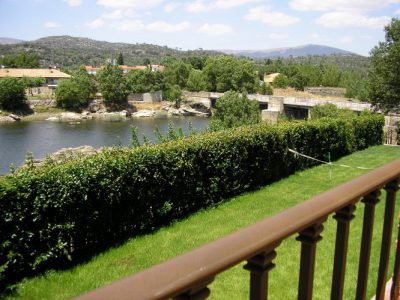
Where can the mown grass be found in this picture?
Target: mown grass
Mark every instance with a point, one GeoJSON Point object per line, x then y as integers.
{"type": "Point", "coordinates": [205, 226]}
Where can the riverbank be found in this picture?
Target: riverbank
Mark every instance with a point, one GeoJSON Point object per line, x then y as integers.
{"type": "Point", "coordinates": [46, 110]}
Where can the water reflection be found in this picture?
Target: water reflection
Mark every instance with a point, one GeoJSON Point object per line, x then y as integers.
{"type": "Point", "coordinates": [42, 137]}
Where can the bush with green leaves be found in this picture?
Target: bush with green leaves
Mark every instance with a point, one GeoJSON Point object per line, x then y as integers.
{"type": "Point", "coordinates": [280, 82]}
{"type": "Point", "coordinates": [265, 89]}
{"type": "Point", "coordinates": [233, 110]}
{"type": "Point", "coordinates": [70, 94]}
{"type": "Point", "coordinates": [12, 93]}
{"type": "Point", "coordinates": [113, 86]}
{"type": "Point", "coordinates": [54, 215]}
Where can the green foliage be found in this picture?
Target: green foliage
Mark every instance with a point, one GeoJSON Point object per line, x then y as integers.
{"type": "Point", "coordinates": [12, 93]}
{"type": "Point", "coordinates": [120, 59]}
{"type": "Point", "coordinates": [33, 82]}
{"type": "Point", "coordinates": [383, 77]}
{"type": "Point", "coordinates": [280, 81]}
{"type": "Point", "coordinates": [331, 76]}
{"type": "Point", "coordinates": [112, 85]}
{"type": "Point", "coordinates": [174, 93]}
{"type": "Point", "coordinates": [226, 73]}
{"type": "Point", "coordinates": [330, 111]}
{"type": "Point", "coordinates": [176, 73]}
{"type": "Point", "coordinates": [51, 216]}
{"type": "Point", "coordinates": [265, 89]}
{"type": "Point", "coordinates": [233, 110]}
{"type": "Point", "coordinates": [23, 60]}
{"type": "Point", "coordinates": [71, 95]}
{"type": "Point", "coordinates": [196, 81]}
{"type": "Point", "coordinates": [144, 81]}
{"type": "Point", "coordinates": [76, 92]}
{"type": "Point", "coordinates": [298, 82]}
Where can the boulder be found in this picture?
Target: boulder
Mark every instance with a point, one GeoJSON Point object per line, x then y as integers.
{"type": "Point", "coordinates": [145, 113]}
{"type": "Point", "coordinates": [70, 116]}
{"type": "Point", "coordinates": [53, 119]}
{"type": "Point", "coordinates": [6, 119]}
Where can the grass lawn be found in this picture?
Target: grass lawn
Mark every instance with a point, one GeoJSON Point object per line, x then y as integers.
{"type": "Point", "coordinates": [145, 251]}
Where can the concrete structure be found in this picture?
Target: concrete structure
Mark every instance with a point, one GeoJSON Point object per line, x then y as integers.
{"type": "Point", "coordinates": [326, 91]}
{"type": "Point", "coordinates": [146, 97]}
{"type": "Point", "coordinates": [51, 76]}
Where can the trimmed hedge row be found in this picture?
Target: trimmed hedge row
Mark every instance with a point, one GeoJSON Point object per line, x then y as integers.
{"type": "Point", "coordinates": [57, 214]}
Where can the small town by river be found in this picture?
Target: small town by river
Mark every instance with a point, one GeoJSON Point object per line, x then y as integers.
{"type": "Point", "coordinates": [43, 137]}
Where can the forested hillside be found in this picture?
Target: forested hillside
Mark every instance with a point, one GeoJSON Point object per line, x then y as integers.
{"type": "Point", "coordinates": [67, 51]}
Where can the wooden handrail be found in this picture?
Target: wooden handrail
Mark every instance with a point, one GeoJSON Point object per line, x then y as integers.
{"type": "Point", "coordinates": [191, 272]}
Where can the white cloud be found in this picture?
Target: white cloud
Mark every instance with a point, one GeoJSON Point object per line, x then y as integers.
{"type": "Point", "coordinates": [170, 7]}
{"type": "Point", "coordinates": [202, 5]}
{"type": "Point", "coordinates": [278, 36]}
{"type": "Point", "coordinates": [340, 5]}
{"type": "Point", "coordinates": [122, 4]}
{"type": "Point", "coordinates": [265, 15]}
{"type": "Point", "coordinates": [314, 36]}
{"type": "Point", "coordinates": [215, 29]}
{"type": "Point", "coordinates": [129, 25]}
{"type": "Point", "coordinates": [97, 23]}
{"type": "Point", "coordinates": [349, 19]}
{"type": "Point", "coordinates": [397, 12]}
{"type": "Point", "coordinates": [51, 24]}
{"type": "Point", "coordinates": [119, 14]}
{"type": "Point", "coordinates": [166, 27]}
{"type": "Point", "coordinates": [73, 2]}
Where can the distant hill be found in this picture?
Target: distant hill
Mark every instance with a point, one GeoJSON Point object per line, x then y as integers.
{"type": "Point", "coordinates": [68, 51]}
{"type": "Point", "coordinates": [304, 50]}
{"type": "Point", "coordinates": [6, 41]}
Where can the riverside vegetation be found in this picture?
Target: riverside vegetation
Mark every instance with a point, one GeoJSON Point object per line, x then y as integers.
{"type": "Point", "coordinates": [58, 214]}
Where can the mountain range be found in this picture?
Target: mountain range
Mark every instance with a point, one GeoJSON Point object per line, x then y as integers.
{"type": "Point", "coordinates": [67, 51]}
{"type": "Point", "coordinates": [303, 50]}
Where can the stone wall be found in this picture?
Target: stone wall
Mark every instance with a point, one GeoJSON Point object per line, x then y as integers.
{"type": "Point", "coordinates": [146, 97]}
{"type": "Point", "coordinates": [39, 90]}
{"type": "Point", "coordinates": [326, 91]}
{"type": "Point", "coordinates": [46, 102]}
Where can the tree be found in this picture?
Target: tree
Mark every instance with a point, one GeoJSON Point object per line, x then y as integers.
{"type": "Point", "coordinates": [144, 81]}
{"type": "Point", "coordinates": [12, 93]}
{"type": "Point", "coordinates": [177, 73]}
{"type": "Point", "coordinates": [112, 85]}
{"type": "Point", "coordinates": [280, 82]}
{"type": "Point", "coordinates": [224, 73]}
{"type": "Point", "coordinates": [174, 93]}
{"type": "Point", "coordinates": [196, 81]}
{"type": "Point", "coordinates": [383, 76]}
{"type": "Point", "coordinates": [22, 60]}
{"type": "Point", "coordinates": [120, 59]}
{"type": "Point", "coordinates": [70, 94]}
{"type": "Point", "coordinates": [233, 110]}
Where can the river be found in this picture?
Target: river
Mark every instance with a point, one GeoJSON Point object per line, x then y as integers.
{"type": "Point", "coordinates": [44, 137]}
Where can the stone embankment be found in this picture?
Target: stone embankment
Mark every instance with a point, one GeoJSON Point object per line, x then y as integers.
{"type": "Point", "coordinates": [97, 111]}
{"type": "Point", "coordinates": [9, 118]}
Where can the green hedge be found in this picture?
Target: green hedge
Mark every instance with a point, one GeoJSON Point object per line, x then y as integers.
{"type": "Point", "coordinates": [57, 214]}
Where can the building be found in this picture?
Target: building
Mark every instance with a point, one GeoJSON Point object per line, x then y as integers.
{"type": "Point", "coordinates": [125, 69]}
{"type": "Point", "coordinates": [51, 76]}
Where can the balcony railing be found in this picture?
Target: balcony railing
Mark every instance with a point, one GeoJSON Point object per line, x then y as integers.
{"type": "Point", "coordinates": [187, 276]}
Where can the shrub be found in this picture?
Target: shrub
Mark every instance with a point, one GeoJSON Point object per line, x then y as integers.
{"type": "Point", "coordinates": [59, 213]}
{"type": "Point", "coordinates": [233, 110]}
{"type": "Point", "coordinates": [71, 94]}
{"type": "Point", "coordinates": [280, 81]}
{"type": "Point", "coordinates": [12, 93]}
{"type": "Point", "coordinates": [265, 89]}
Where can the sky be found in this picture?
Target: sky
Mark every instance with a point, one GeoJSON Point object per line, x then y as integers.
{"type": "Point", "coordinates": [353, 25]}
